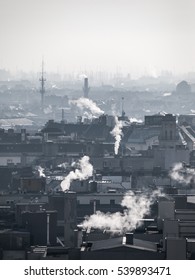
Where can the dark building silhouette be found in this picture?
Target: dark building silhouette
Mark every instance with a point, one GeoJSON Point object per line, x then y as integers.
{"type": "Point", "coordinates": [42, 226]}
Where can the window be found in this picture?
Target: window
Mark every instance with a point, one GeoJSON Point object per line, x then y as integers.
{"type": "Point", "coordinates": [112, 201]}
{"type": "Point", "coordinates": [97, 201]}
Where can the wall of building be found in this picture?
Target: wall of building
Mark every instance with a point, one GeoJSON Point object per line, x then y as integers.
{"type": "Point", "coordinates": [173, 156]}
{"type": "Point", "coordinates": [126, 164]}
{"type": "Point", "coordinates": [9, 159]}
{"type": "Point", "coordinates": [166, 158]}
{"type": "Point", "coordinates": [36, 224]}
{"type": "Point", "coordinates": [101, 198]}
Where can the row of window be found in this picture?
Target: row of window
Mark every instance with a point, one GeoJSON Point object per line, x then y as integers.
{"type": "Point", "coordinates": [97, 201]}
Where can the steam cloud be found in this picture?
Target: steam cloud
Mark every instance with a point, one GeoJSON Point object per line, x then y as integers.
{"type": "Point", "coordinates": [117, 133]}
{"type": "Point", "coordinates": [182, 175]}
{"type": "Point", "coordinates": [84, 171]}
{"type": "Point", "coordinates": [41, 172]}
{"type": "Point", "coordinates": [136, 208]}
{"type": "Point", "coordinates": [85, 103]}
{"type": "Point", "coordinates": [135, 120]}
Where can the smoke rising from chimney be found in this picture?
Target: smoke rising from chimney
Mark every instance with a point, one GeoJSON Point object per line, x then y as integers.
{"type": "Point", "coordinates": [182, 174]}
{"type": "Point", "coordinates": [136, 207]}
{"type": "Point", "coordinates": [117, 133]}
{"type": "Point", "coordinates": [41, 172]}
{"type": "Point", "coordinates": [82, 76]}
{"type": "Point", "coordinates": [85, 103]}
{"type": "Point", "coordinates": [83, 172]}
{"type": "Point", "coordinates": [132, 120]}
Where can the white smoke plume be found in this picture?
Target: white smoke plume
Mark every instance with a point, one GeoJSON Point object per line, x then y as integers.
{"type": "Point", "coordinates": [41, 172]}
{"type": "Point", "coordinates": [73, 164]}
{"type": "Point", "coordinates": [182, 174]}
{"type": "Point", "coordinates": [87, 115]}
{"type": "Point", "coordinates": [86, 103]}
{"type": "Point", "coordinates": [136, 207]}
{"type": "Point", "coordinates": [48, 110]}
{"type": "Point", "coordinates": [167, 94]}
{"type": "Point", "coordinates": [117, 133]}
{"type": "Point", "coordinates": [63, 165]}
{"type": "Point", "coordinates": [84, 171]}
{"type": "Point", "coordinates": [82, 76]}
{"type": "Point", "coordinates": [135, 120]}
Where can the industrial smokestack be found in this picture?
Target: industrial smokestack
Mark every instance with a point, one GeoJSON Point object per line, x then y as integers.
{"type": "Point", "coordinates": [94, 206]}
{"type": "Point", "coordinates": [63, 118]}
{"type": "Point", "coordinates": [129, 238]}
{"type": "Point", "coordinates": [123, 112]}
{"type": "Point", "coordinates": [86, 88]}
{"type": "Point", "coordinates": [48, 242]}
{"type": "Point", "coordinates": [70, 215]}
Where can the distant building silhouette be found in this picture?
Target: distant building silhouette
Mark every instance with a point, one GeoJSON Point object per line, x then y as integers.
{"type": "Point", "coordinates": [183, 87]}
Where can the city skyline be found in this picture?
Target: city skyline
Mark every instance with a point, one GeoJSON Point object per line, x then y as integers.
{"type": "Point", "coordinates": [136, 37]}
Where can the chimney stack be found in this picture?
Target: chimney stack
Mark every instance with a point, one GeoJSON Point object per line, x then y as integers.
{"type": "Point", "coordinates": [86, 88]}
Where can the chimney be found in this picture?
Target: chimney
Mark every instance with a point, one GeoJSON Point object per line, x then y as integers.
{"type": "Point", "coordinates": [94, 206]}
{"type": "Point", "coordinates": [69, 218]}
{"type": "Point", "coordinates": [63, 115]}
{"type": "Point", "coordinates": [78, 239]}
{"type": "Point", "coordinates": [86, 88]}
{"type": "Point", "coordinates": [129, 238]}
{"type": "Point", "coordinates": [23, 135]}
{"type": "Point", "coordinates": [48, 242]}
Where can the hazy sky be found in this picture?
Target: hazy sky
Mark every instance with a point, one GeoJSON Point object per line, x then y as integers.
{"type": "Point", "coordinates": [135, 36]}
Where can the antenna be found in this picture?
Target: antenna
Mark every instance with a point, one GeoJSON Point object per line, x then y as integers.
{"type": "Point", "coordinates": [42, 90]}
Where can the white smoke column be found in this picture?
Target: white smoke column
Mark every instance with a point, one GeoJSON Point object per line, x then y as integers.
{"type": "Point", "coordinates": [117, 133]}
{"type": "Point", "coordinates": [182, 174]}
{"type": "Point", "coordinates": [136, 208]}
{"type": "Point", "coordinates": [41, 172]}
{"type": "Point", "coordinates": [85, 171]}
{"type": "Point", "coordinates": [86, 103]}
